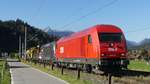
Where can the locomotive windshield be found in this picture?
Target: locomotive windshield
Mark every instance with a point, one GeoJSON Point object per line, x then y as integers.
{"type": "Point", "coordinates": [110, 37]}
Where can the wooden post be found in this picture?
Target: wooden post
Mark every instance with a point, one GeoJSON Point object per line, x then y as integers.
{"type": "Point", "coordinates": [44, 63]}
{"type": "Point", "coordinates": [52, 66]}
{"type": "Point", "coordinates": [78, 77]}
{"type": "Point", "coordinates": [82, 69]}
{"type": "Point", "coordinates": [35, 61]}
{"type": "Point", "coordinates": [62, 69]}
{"type": "Point", "coordinates": [109, 78]}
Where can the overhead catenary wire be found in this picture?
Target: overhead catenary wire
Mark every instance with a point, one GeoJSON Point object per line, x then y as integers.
{"type": "Point", "coordinates": [97, 10]}
{"type": "Point", "coordinates": [35, 15]}
{"type": "Point", "coordinates": [129, 33]}
{"type": "Point", "coordinates": [90, 13]}
{"type": "Point", "coordinates": [32, 18]}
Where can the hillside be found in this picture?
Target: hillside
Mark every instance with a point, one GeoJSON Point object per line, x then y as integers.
{"type": "Point", "coordinates": [11, 30]}
{"type": "Point", "coordinates": [58, 33]}
{"type": "Point", "coordinates": [144, 44]}
{"type": "Point", "coordinates": [131, 44]}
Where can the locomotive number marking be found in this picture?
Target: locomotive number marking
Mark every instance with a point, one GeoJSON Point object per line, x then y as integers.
{"type": "Point", "coordinates": [112, 49]}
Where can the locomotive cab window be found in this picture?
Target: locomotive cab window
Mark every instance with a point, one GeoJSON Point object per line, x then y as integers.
{"type": "Point", "coordinates": [89, 39]}
{"type": "Point", "coordinates": [110, 37]}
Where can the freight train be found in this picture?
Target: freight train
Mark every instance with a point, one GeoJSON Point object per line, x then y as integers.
{"type": "Point", "coordinates": [101, 47]}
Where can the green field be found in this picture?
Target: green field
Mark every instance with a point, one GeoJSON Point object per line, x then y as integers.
{"type": "Point", "coordinates": [4, 73]}
{"type": "Point", "coordinates": [140, 65]}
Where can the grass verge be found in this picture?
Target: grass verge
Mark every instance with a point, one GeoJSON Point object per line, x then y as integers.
{"type": "Point", "coordinates": [139, 65]}
{"type": "Point", "coordinates": [4, 73]}
{"type": "Point", "coordinates": [70, 78]}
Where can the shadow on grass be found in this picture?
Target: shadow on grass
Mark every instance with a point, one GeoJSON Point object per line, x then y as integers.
{"type": "Point", "coordinates": [131, 73]}
{"type": "Point", "coordinates": [19, 67]}
{"type": "Point", "coordinates": [13, 61]}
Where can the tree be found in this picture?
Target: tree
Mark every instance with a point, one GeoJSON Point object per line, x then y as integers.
{"type": "Point", "coordinates": [143, 54]}
{"type": "Point", "coordinates": [11, 30]}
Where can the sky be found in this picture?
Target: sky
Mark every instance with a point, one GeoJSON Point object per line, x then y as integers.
{"type": "Point", "coordinates": [132, 16]}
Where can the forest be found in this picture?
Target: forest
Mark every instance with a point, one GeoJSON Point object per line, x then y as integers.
{"type": "Point", "coordinates": [11, 30]}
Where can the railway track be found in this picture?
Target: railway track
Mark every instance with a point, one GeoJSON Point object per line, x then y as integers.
{"type": "Point", "coordinates": [124, 72]}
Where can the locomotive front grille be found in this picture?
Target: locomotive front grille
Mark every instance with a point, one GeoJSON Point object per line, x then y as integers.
{"type": "Point", "coordinates": [113, 62]}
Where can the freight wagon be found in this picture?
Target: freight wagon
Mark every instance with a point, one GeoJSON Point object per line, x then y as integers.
{"type": "Point", "coordinates": [47, 52]}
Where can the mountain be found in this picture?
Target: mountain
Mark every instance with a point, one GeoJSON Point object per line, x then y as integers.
{"type": "Point", "coordinates": [145, 41]}
{"type": "Point", "coordinates": [144, 44]}
{"type": "Point", "coordinates": [11, 30]}
{"type": "Point", "coordinates": [131, 44]}
{"type": "Point", "coordinates": [57, 33]}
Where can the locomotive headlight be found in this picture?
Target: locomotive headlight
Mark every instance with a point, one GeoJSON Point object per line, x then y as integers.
{"type": "Point", "coordinates": [122, 54]}
{"type": "Point", "coordinates": [40, 57]}
{"type": "Point", "coordinates": [102, 54]}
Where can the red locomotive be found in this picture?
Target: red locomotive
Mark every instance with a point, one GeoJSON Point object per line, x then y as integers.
{"type": "Point", "coordinates": [101, 45]}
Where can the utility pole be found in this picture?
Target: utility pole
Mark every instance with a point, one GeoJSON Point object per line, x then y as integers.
{"type": "Point", "coordinates": [25, 43]}
{"type": "Point", "coordinates": [19, 45]}
{"type": "Point", "coordinates": [22, 52]}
